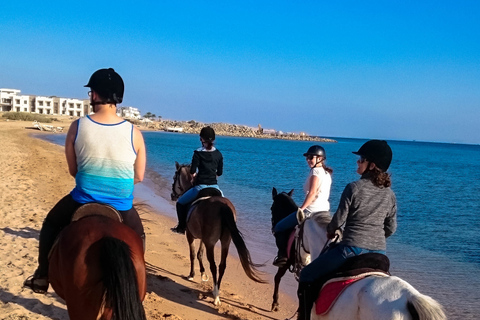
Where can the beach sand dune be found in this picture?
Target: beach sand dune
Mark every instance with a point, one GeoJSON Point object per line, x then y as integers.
{"type": "Point", "coordinates": [34, 177]}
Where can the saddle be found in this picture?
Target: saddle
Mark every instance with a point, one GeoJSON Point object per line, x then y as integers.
{"type": "Point", "coordinates": [203, 194]}
{"type": "Point", "coordinates": [354, 269]}
{"type": "Point", "coordinates": [92, 209]}
{"type": "Point", "coordinates": [96, 209]}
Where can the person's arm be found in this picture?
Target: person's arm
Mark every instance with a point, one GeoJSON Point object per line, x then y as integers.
{"type": "Point", "coordinates": [70, 149]}
{"type": "Point", "coordinates": [341, 214]}
{"type": "Point", "coordinates": [220, 166]}
{"type": "Point", "coordinates": [314, 182]}
{"type": "Point", "coordinates": [141, 160]}
{"type": "Point", "coordinates": [390, 223]}
{"type": "Point", "coordinates": [195, 162]}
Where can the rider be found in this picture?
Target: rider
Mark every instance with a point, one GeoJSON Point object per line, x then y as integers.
{"type": "Point", "coordinates": [368, 210]}
{"type": "Point", "coordinates": [209, 161]}
{"type": "Point", "coordinates": [106, 156]}
{"type": "Point", "coordinates": [317, 192]}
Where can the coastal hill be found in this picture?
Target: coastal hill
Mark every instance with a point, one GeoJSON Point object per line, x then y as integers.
{"type": "Point", "coordinates": [226, 129]}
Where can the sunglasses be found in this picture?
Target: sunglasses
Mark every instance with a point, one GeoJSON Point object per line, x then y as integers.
{"type": "Point", "coordinates": [361, 160]}
{"type": "Point", "coordinates": [309, 157]}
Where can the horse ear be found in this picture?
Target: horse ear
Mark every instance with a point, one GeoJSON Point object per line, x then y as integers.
{"type": "Point", "coordinates": [274, 192]}
{"type": "Point", "coordinates": [290, 193]}
{"type": "Point", "coordinates": [177, 165]}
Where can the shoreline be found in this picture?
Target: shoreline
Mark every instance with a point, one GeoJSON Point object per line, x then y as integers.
{"type": "Point", "coordinates": [36, 177]}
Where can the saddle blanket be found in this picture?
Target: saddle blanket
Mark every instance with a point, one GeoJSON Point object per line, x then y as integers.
{"type": "Point", "coordinates": [333, 288]}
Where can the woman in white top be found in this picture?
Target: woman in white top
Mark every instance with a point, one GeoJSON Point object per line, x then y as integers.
{"type": "Point", "coordinates": [317, 191]}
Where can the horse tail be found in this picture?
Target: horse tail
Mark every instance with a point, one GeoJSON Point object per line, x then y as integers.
{"type": "Point", "coordinates": [423, 307]}
{"type": "Point", "coordinates": [120, 280]}
{"type": "Point", "coordinates": [249, 267]}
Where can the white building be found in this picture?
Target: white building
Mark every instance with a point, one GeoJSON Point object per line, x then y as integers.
{"type": "Point", "coordinates": [129, 112]}
{"type": "Point", "coordinates": [12, 100]}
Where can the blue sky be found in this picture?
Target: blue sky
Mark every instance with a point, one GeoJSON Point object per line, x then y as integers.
{"type": "Point", "coordinates": [372, 69]}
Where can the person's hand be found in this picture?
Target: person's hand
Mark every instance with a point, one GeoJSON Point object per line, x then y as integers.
{"type": "Point", "coordinates": [330, 235]}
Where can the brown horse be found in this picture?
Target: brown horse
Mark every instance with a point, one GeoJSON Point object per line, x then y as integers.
{"type": "Point", "coordinates": [212, 219]}
{"type": "Point", "coordinates": [98, 268]}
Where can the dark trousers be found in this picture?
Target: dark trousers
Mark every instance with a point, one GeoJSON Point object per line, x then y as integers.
{"type": "Point", "coordinates": [59, 217]}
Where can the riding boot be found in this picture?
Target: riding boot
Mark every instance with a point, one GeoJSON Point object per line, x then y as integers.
{"type": "Point", "coordinates": [182, 212]}
{"type": "Point", "coordinates": [48, 234]}
{"type": "Point", "coordinates": [307, 294]}
{"type": "Point", "coordinates": [281, 240]}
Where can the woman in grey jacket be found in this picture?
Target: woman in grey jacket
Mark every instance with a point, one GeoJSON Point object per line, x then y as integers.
{"type": "Point", "coordinates": [368, 211]}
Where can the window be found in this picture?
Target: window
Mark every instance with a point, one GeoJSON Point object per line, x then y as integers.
{"type": "Point", "coordinates": [24, 101]}
{"type": "Point", "coordinates": [18, 109]}
{"type": "Point", "coordinates": [55, 104]}
{"type": "Point", "coordinates": [70, 105]}
{"type": "Point", "coordinates": [79, 105]}
{"type": "Point", "coordinates": [17, 101]}
{"type": "Point", "coordinates": [48, 103]}
{"type": "Point", "coordinates": [40, 103]}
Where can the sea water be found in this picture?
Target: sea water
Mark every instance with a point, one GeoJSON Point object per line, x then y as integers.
{"type": "Point", "coordinates": [436, 247]}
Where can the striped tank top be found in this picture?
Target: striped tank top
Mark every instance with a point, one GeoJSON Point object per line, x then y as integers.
{"type": "Point", "coordinates": [105, 163]}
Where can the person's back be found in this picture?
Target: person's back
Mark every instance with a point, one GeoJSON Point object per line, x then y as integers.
{"type": "Point", "coordinates": [106, 156]}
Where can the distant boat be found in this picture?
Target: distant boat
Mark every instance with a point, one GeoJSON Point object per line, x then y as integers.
{"type": "Point", "coordinates": [174, 129]}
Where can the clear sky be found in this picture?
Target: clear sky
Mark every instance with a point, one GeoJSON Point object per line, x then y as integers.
{"type": "Point", "coordinates": [407, 70]}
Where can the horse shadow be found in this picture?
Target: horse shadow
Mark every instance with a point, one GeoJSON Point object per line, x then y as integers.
{"type": "Point", "coordinates": [25, 232]}
{"type": "Point", "coordinates": [35, 305]}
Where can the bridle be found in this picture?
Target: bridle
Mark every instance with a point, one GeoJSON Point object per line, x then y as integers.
{"type": "Point", "coordinates": [177, 183]}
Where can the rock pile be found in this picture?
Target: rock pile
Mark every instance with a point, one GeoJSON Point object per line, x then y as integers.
{"type": "Point", "coordinates": [225, 129]}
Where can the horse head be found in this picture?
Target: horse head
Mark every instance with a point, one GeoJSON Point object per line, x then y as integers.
{"type": "Point", "coordinates": [182, 180]}
{"type": "Point", "coordinates": [283, 204]}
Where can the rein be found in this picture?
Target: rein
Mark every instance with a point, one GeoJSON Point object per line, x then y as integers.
{"type": "Point", "coordinates": [177, 181]}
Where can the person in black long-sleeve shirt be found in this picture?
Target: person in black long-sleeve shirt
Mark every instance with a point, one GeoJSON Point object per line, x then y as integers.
{"type": "Point", "coordinates": [209, 162]}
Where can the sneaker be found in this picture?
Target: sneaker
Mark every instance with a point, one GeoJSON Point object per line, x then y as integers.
{"type": "Point", "coordinates": [279, 261]}
{"type": "Point", "coordinates": [178, 229]}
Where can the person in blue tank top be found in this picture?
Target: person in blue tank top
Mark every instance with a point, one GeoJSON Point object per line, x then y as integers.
{"type": "Point", "coordinates": [106, 155]}
{"type": "Point", "coordinates": [209, 162]}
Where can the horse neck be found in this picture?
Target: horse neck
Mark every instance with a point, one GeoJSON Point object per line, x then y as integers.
{"type": "Point", "coordinates": [314, 237]}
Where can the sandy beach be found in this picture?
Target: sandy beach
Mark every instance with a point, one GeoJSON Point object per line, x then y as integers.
{"type": "Point", "coordinates": [34, 177]}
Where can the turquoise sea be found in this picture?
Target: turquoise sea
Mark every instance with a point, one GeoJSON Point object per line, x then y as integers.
{"type": "Point", "coordinates": [437, 245]}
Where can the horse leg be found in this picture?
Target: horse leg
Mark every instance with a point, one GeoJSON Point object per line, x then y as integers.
{"type": "Point", "coordinates": [223, 261]}
{"type": "Point", "coordinates": [200, 262]}
{"type": "Point", "coordinates": [278, 277]}
{"type": "Point", "coordinates": [213, 269]}
{"type": "Point", "coordinates": [191, 245]}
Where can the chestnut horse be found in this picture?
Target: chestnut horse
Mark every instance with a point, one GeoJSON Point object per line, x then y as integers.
{"type": "Point", "coordinates": [371, 298]}
{"type": "Point", "coordinates": [98, 268]}
{"type": "Point", "coordinates": [212, 219]}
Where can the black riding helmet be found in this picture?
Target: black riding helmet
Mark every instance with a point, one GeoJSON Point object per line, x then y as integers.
{"type": "Point", "coordinates": [207, 134]}
{"type": "Point", "coordinates": [316, 150]}
{"type": "Point", "coordinates": [108, 84]}
{"type": "Point", "coordinates": [378, 152]}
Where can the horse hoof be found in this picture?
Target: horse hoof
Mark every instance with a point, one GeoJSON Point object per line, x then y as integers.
{"type": "Point", "coordinates": [190, 278]}
{"type": "Point", "coordinates": [204, 277]}
{"type": "Point", "coordinates": [275, 307]}
{"type": "Point", "coordinates": [217, 302]}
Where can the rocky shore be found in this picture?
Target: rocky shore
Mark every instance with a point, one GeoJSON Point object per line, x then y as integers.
{"type": "Point", "coordinates": [226, 129]}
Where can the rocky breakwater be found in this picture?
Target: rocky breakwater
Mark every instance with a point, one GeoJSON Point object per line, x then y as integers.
{"type": "Point", "coordinates": [225, 129]}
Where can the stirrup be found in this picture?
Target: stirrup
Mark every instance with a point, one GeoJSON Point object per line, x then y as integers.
{"type": "Point", "coordinates": [38, 285]}
{"type": "Point", "coordinates": [279, 261]}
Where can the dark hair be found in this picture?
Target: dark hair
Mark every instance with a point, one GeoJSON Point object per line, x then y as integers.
{"type": "Point", "coordinates": [328, 169]}
{"type": "Point", "coordinates": [378, 177]}
{"type": "Point", "coordinates": [208, 145]}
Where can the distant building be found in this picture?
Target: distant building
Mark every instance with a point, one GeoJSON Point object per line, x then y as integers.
{"type": "Point", "coordinates": [129, 112]}
{"type": "Point", "coordinates": [12, 100]}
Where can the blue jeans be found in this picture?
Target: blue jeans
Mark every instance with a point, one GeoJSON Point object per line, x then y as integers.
{"type": "Point", "coordinates": [331, 260]}
{"type": "Point", "coordinates": [287, 223]}
{"type": "Point", "coordinates": [192, 193]}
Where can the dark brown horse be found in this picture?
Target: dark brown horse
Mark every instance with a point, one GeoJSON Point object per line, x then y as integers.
{"type": "Point", "coordinates": [98, 268]}
{"type": "Point", "coordinates": [282, 206]}
{"type": "Point", "coordinates": [212, 219]}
